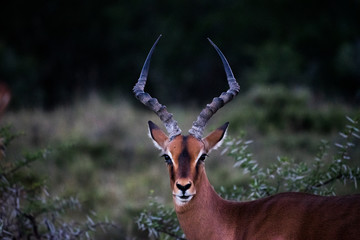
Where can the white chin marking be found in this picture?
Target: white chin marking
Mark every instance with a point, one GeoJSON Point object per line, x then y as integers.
{"type": "Point", "coordinates": [180, 200]}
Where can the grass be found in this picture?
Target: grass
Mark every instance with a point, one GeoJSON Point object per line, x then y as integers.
{"type": "Point", "coordinates": [101, 152]}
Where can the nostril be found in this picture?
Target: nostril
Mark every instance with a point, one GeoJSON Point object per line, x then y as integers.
{"type": "Point", "coordinates": [182, 187]}
{"type": "Point", "coordinates": [187, 186]}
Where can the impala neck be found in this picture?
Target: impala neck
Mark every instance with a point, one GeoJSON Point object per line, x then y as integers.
{"type": "Point", "coordinates": [207, 215]}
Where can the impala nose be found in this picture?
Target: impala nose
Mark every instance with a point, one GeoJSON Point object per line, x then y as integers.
{"type": "Point", "coordinates": [183, 188]}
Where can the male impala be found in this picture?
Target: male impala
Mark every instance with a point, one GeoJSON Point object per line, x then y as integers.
{"type": "Point", "coordinates": [204, 215]}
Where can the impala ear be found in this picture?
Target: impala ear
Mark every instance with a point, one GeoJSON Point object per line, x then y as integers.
{"type": "Point", "coordinates": [215, 138]}
{"type": "Point", "coordinates": [158, 136]}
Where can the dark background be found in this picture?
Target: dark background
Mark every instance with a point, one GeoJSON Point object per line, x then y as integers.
{"type": "Point", "coordinates": [53, 52]}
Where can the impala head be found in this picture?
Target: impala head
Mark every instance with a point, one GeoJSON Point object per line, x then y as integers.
{"type": "Point", "coordinates": [185, 155]}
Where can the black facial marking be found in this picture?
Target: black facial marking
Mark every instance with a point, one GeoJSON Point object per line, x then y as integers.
{"type": "Point", "coordinates": [184, 160]}
{"type": "Point", "coordinates": [197, 169]}
{"type": "Point", "coordinates": [172, 174]}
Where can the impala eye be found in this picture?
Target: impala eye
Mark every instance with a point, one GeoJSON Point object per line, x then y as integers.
{"type": "Point", "coordinates": [202, 157]}
{"type": "Point", "coordinates": [167, 159]}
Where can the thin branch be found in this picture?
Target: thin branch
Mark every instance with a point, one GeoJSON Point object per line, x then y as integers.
{"type": "Point", "coordinates": [327, 181]}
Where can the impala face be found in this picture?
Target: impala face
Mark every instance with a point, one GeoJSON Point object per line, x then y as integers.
{"type": "Point", "coordinates": [185, 157]}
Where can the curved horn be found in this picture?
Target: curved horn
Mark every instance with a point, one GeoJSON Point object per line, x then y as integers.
{"type": "Point", "coordinates": [166, 117]}
{"type": "Point", "coordinates": [198, 126]}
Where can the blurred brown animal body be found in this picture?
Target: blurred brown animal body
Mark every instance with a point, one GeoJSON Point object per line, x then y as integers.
{"type": "Point", "coordinates": [203, 214]}
{"type": "Point", "coordinates": [5, 97]}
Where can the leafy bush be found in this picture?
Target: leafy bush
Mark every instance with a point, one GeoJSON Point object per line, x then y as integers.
{"type": "Point", "coordinates": [27, 210]}
{"type": "Point", "coordinates": [319, 176]}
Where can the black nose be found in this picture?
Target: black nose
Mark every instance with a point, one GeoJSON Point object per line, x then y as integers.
{"type": "Point", "coordinates": [183, 188]}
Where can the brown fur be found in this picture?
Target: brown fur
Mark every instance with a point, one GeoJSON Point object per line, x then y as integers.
{"type": "Point", "coordinates": [283, 216]}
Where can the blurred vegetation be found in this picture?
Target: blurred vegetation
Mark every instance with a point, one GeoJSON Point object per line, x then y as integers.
{"type": "Point", "coordinates": [104, 158]}
{"type": "Point", "coordinates": [52, 52]}
{"type": "Point", "coordinates": [28, 210]}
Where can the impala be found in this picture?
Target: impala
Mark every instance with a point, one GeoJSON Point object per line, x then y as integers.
{"type": "Point", "coordinates": [202, 214]}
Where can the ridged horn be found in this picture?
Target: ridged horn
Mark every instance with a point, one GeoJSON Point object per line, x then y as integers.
{"type": "Point", "coordinates": [198, 126]}
{"type": "Point", "coordinates": [167, 118]}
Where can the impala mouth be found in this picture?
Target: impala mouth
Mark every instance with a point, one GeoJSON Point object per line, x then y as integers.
{"type": "Point", "coordinates": [182, 199]}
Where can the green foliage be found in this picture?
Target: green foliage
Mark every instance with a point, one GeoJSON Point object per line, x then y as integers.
{"type": "Point", "coordinates": [317, 176]}
{"type": "Point", "coordinates": [163, 225]}
{"type": "Point", "coordinates": [27, 210]}
{"type": "Point", "coordinates": [277, 108]}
